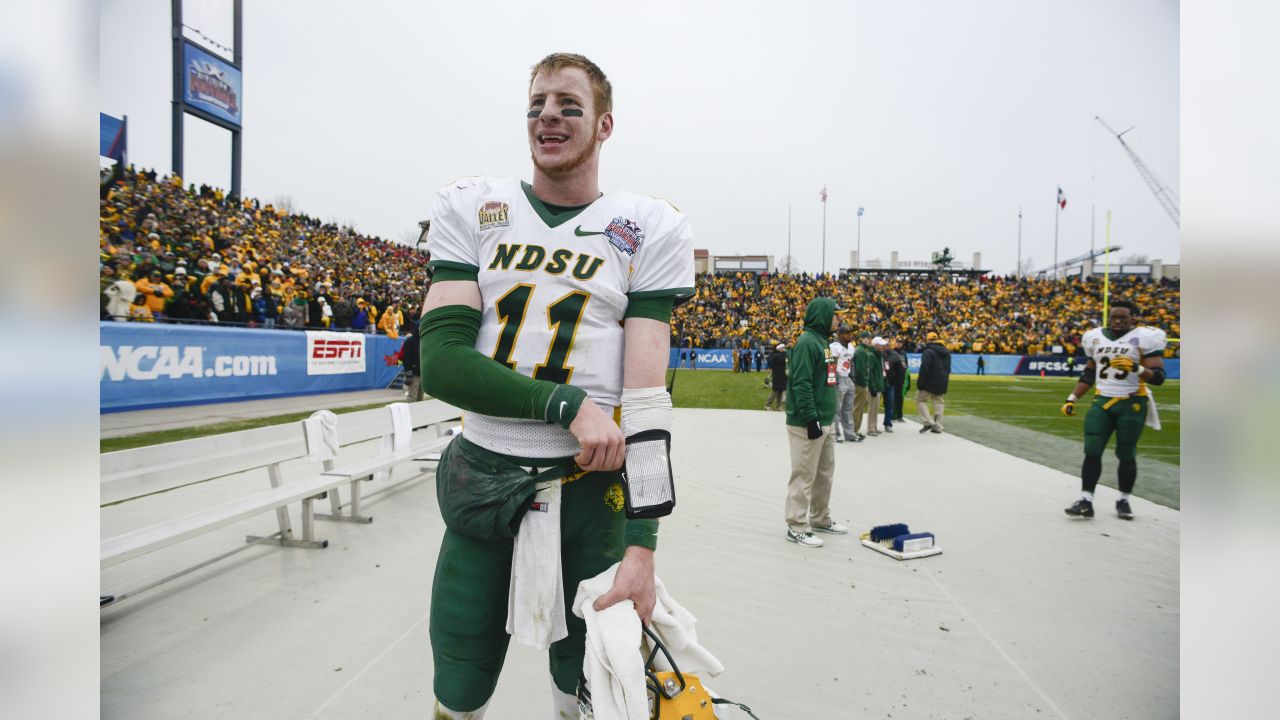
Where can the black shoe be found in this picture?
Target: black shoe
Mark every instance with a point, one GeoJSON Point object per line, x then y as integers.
{"type": "Point", "coordinates": [105, 600]}
{"type": "Point", "coordinates": [1123, 510]}
{"type": "Point", "coordinates": [1082, 508]}
{"type": "Point", "coordinates": [860, 436]}
{"type": "Point", "coordinates": [926, 428]}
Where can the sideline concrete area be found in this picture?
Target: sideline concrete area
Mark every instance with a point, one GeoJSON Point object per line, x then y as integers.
{"type": "Point", "coordinates": [1026, 614]}
{"type": "Point", "coordinates": [134, 422]}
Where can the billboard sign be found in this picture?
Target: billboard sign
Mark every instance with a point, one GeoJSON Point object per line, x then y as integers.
{"type": "Point", "coordinates": [211, 84]}
{"type": "Point", "coordinates": [112, 141]}
{"type": "Point", "coordinates": [145, 365]}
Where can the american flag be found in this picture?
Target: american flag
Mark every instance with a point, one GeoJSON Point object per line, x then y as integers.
{"type": "Point", "coordinates": [860, 212]}
{"type": "Point", "coordinates": [823, 194]}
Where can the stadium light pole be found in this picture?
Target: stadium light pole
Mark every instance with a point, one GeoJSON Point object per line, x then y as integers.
{"type": "Point", "coordinates": [1018, 271]}
{"type": "Point", "coordinates": [824, 228]}
{"type": "Point", "coordinates": [857, 270]}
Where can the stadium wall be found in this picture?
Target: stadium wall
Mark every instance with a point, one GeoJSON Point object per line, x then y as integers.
{"type": "Point", "coordinates": [961, 363]}
{"type": "Point", "coordinates": [146, 365]}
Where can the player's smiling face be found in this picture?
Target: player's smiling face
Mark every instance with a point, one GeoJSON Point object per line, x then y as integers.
{"type": "Point", "coordinates": [564, 130]}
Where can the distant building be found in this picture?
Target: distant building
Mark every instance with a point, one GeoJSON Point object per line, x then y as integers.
{"type": "Point", "coordinates": [705, 262]}
{"type": "Point", "coordinates": [740, 263]}
{"type": "Point", "coordinates": [701, 261]}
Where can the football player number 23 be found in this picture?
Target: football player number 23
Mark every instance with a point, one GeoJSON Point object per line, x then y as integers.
{"type": "Point", "coordinates": [1115, 374]}
{"type": "Point", "coordinates": [563, 316]}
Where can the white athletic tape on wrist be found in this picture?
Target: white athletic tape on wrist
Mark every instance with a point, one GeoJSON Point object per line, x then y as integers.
{"type": "Point", "coordinates": [645, 409]}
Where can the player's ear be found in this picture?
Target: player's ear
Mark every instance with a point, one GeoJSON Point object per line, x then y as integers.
{"type": "Point", "coordinates": [604, 127]}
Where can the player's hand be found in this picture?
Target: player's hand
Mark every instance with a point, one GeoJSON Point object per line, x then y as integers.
{"type": "Point", "coordinates": [1069, 407]}
{"type": "Point", "coordinates": [814, 430]}
{"type": "Point", "coordinates": [634, 582]}
{"type": "Point", "coordinates": [603, 446]}
{"type": "Point", "coordinates": [1122, 363]}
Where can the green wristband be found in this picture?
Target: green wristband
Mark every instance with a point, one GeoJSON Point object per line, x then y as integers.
{"type": "Point", "coordinates": [562, 407]}
{"type": "Point", "coordinates": [641, 532]}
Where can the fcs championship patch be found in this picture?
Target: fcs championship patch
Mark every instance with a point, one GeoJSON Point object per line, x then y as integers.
{"type": "Point", "coordinates": [613, 497]}
{"type": "Point", "coordinates": [494, 214]}
{"type": "Point", "coordinates": [625, 235]}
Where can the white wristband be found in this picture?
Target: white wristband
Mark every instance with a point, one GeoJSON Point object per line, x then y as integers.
{"type": "Point", "coordinates": [1072, 397]}
{"type": "Point", "coordinates": [645, 409]}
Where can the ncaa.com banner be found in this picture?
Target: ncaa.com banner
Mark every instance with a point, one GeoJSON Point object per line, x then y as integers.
{"type": "Point", "coordinates": [146, 365]}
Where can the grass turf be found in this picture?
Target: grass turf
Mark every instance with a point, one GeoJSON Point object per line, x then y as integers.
{"type": "Point", "coordinates": [163, 436]}
{"type": "Point", "coordinates": [1029, 402]}
{"type": "Point", "coordinates": [1017, 415]}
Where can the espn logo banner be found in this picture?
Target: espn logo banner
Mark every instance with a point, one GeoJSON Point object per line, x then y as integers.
{"type": "Point", "coordinates": [334, 353]}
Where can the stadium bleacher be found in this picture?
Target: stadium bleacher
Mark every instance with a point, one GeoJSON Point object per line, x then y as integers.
{"type": "Point", "coordinates": [278, 265]}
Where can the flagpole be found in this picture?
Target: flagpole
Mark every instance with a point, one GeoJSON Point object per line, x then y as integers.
{"type": "Point", "coordinates": [824, 228]}
{"type": "Point", "coordinates": [1057, 210]}
{"type": "Point", "coordinates": [1018, 272]}
{"type": "Point", "coordinates": [859, 238]}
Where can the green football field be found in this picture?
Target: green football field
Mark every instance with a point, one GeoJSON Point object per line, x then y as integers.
{"type": "Point", "coordinates": [1017, 415]}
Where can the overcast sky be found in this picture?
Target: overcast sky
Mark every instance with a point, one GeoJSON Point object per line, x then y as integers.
{"type": "Point", "coordinates": [940, 118]}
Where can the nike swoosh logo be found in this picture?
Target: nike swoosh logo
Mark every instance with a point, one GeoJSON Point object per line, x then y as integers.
{"type": "Point", "coordinates": [562, 404]}
{"type": "Point", "coordinates": [583, 233]}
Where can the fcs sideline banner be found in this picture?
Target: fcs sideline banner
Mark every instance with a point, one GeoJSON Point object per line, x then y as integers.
{"type": "Point", "coordinates": [146, 365]}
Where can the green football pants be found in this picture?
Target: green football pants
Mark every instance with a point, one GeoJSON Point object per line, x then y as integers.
{"type": "Point", "coordinates": [1125, 417]}
{"type": "Point", "coordinates": [469, 594]}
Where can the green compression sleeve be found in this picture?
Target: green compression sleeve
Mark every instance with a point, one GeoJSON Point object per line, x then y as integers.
{"type": "Point", "coordinates": [455, 372]}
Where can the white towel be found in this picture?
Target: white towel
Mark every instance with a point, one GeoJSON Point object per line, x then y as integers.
{"type": "Point", "coordinates": [321, 430]}
{"type": "Point", "coordinates": [674, 626]}
{"type": "Point", "coordinates": [613, 663]}
{"type": "Point", "coordinates": [535, 599]}
{"type": "Point", "coordinates": [1153, 413]}
{"type": "Point", "coordinates": [401, 436]}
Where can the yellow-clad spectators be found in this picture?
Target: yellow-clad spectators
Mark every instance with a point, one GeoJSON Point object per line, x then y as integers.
{"type": "Point", "coordinates": [199, 255]}
{"type": "Point", "coordinates": [149, 223]}
{"type": "Point", "coordinates": [997, 315]}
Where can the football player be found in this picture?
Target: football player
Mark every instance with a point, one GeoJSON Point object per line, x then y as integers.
{"type": "Point", "coordinates": [1123, 360]}
{"type": "Point", "coordinates": [547, 322]}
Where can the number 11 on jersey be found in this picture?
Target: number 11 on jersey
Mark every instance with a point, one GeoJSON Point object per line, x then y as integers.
{"type": "Point", "coordinates": [563, 316]}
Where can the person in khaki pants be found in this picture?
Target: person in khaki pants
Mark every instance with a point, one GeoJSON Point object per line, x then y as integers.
{"type": "Point", "coordinates": [811, 407]}
{"type": "Point", "coordinates": [931, 385]}
{"type": "Point", "coordinates": [863, 360]}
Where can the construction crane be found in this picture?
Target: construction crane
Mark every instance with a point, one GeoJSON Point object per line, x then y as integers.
{"type": "Point", "coordinates": [1162, 192]}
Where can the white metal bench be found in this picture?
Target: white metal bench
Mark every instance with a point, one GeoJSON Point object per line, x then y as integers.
{"type": "Point", "coordinates": [132, 474]}
{"type": "Point", "coordinates": [367, 425]}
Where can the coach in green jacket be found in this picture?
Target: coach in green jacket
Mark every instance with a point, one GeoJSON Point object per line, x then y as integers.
{"type": "Point", "coordinates": [811, 407]}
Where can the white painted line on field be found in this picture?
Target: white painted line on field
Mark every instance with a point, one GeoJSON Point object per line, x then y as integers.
{"type": "Point", "coordinates": [369, 666]}
{"type": "Point", "coordinates": [973, 621]}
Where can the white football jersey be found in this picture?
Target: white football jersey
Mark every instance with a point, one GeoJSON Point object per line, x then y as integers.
{"type": "Point", "coordinates": [554, 292]}
{"type": "Point", "coordinates": [1136, 344]}
{"type": "Point", "coordinates": [843, 356]}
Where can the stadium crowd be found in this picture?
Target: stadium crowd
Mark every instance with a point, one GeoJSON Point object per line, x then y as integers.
{"type": "Point", "coordinates": [991, 314]}
{"type": "Point", "coordinates": [188, 254]}
{"type": "Point", "coordinates": [196, 255]}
